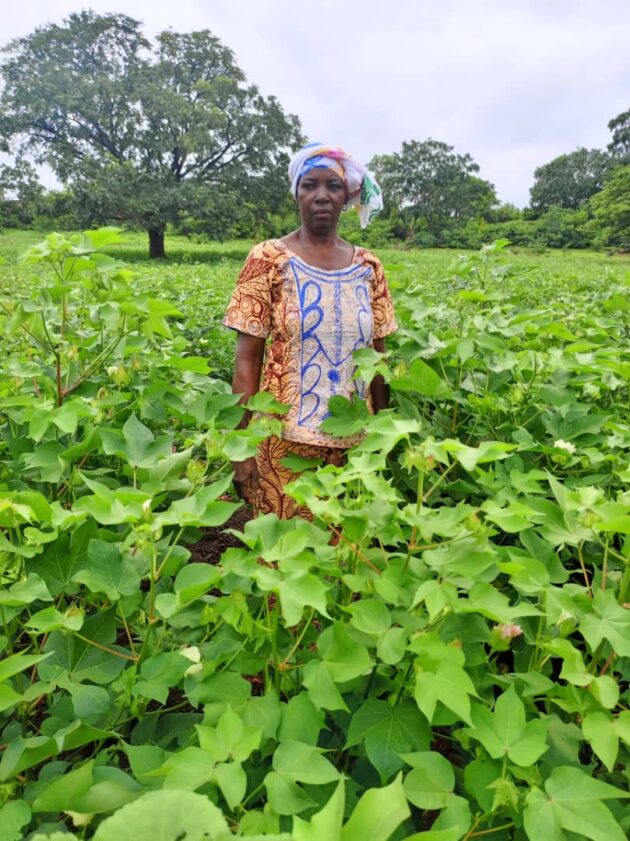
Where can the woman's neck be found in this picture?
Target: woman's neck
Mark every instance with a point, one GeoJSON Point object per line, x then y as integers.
{"type": "Point", "coordinates": [327, 251]}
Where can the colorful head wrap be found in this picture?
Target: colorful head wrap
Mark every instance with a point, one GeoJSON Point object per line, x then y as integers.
{"type": "Point", "coordinates": [363, 191]}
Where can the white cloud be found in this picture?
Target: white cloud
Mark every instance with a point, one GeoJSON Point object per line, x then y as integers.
{"type": "Point", "coordinates": [513, 84]}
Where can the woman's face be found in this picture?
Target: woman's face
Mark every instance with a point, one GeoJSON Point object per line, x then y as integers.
{"type": "Point", "coordinates": [321, 194]}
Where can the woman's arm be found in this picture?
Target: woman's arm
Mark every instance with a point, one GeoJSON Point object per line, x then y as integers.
{"type": "Point", "coordinates": [250, 351]}
{"type": "Point", "coordinates": [378, 387]}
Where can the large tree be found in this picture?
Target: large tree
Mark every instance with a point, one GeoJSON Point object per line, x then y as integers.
{"type": "Point", "coordinates": [568, 181]}
{"type": "Point", "coordinates": [620, 143]}
{"type": "Point", "coordinates": [612, 208]}
{"type": "Point", "coordinates": [141, 132]}
{"type": "Point", "coordinates": [20, 193]}
{"type": "Point", "coordinates": [428, 180]}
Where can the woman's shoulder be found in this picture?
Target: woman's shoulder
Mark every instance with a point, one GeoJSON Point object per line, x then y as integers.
{"type": "Point", "coordinates": [270, 251]}
{"type": "Point", "coordinates": [364, 255]}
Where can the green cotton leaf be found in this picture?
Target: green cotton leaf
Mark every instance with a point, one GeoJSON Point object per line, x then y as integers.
{"type": "Point", "coordinates": [321, 687]}
{"type": "Point", "coordinates": [301, 720]}
{"type": "Point", "coordinates": [430, 782]}
{"type": "Point", "coordinates": [369, 616]}
{"type": "Point", "coordinates": [66, 417]}
{"type": "Point", "coordinates": [392, 646]}
{"type": "Point", "coordinates": [346, 417]}
{"type": "Point", "coordinates": [263, 713]}
{"type": "Point", "coordinates": [513, 517]}
{"type": "Point", "coordinates": [137, 444]}
{"type": "Point", "coordinates": [188, 769]}
{"type": "Point", "coordinates": [61, 559]}
{"type": "Point", "coordinates": [388, 732]}
{"type": "Point", "coordinates": [167, 815]}
{"type": "Point", "coordinates": [31, 589]}
{"type": "Point", "coordinates": [124, 505]}
{"type": "Point", "coordinates": [478, 777]}
{"type": "Point", "coordinates": [378, 814]}
{"type": "Point", "coordinates": [297, 464]}
{"type": "Point", "coordinates": [605, 690]}
{"type": "Point", "coordinates": [300, 591]}
{"type": "Point", "coordinates": [368, 363]}
{"type": "Point", "coordinates": [79, 659]}
{"type": "Point", "coordinates": [455, 815]}
{"type": "Point", "coordinates": [46, 457]}
{"type": "Point", "coordinates": [609, 621]}
{"type": "Point", "coordinates": [506, 732]}
{"type": "Point", "coordinates": [266, 403]}
{"type": "Point", "coordinates": [603, 732]}
{"type": "Point", "coordinates": [344, 657]}
{"type": "Point", "coordinates": [194, 581]}
{"type": "Point", "coordinates": [87, 790]}
{"type": "Point", "coordinates": [201, 508]}
{"type": "Point", "coordinates": [572, 801]}
{"type": "Point", "coordinates": [90, 703]}
{"type": "Point", "coordinates": [13, 817]}
{"type": "Point", "coordinates": [447, 683]}
{"type": "Point", "coordinates": [573, 668]}
{"type": "Point", "coordinates": [8, 697]}
{"type": "Point", "coordinates": [229, 739]}
{"type": "Point", "coordinates": [385, 430]}
{"type": "Point", "coordinates": [232, 780]}
{"type": "Point", "coordinates": [50, 619]}
{"type": "Point", "coordinates": [17, 663]}
{"type": "Point", "coordinates": [108, 571]}
{"type": "Point", "coordinates": [159, 674]}
{"type": "Point", "coordinates": [23, 753]}
{"type": "Point", "coordinates": [227, 688]}
{"type": "Point", "coordinates": [422, 379]}
{"type": "Point", "coordinates": [196, 364]}
{"type": "Point", "coordinates": [299, 762]}
{"type": "Point", "coordinates": [143, 759]}
{"type": "Point", "coordinates": [286, 797]}
{"type": "Point", "coordinates": [54, 836]}
{"type": "Point", "coordinates": [325, 824]}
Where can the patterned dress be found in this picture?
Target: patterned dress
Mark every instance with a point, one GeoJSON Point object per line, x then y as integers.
{"type": "Point", "coordinates": [315, 319]}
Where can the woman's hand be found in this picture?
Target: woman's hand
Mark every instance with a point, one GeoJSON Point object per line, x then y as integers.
{"type": "Point", "coordinates": [378, 387]}
{"type": "Point", "coordinates": [250, 351]}
{"type": "Point", "coordinates": [246, 478]}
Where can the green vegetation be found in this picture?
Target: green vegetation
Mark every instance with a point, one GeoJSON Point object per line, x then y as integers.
{"type": "Point", "coordinates": [453, 665]}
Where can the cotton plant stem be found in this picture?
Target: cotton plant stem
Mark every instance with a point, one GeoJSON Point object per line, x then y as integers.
{"type": "Point", "coordinates": [129, 657]}
{"type": "Point", "coordinates": [584, 572]}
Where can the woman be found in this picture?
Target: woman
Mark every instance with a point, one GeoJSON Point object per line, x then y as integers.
{"type": "Point", "coordinates": [319, 299]}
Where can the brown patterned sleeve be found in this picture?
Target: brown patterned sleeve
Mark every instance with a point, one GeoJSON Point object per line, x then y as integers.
{"type": "Point", "coordinates": [249, 309]}
{"type": "Point", "coordinates": [382, 307]}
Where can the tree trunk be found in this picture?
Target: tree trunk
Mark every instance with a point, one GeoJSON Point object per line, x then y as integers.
{"type": "Point", "coordinates": [156, 244]}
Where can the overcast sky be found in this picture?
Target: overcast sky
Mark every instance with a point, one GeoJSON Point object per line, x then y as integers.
{"type": "Point", "coordinates": [512, 82]}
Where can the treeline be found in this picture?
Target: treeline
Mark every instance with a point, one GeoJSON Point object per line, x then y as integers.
{"type": "Point", "coordinates": [169, 134]}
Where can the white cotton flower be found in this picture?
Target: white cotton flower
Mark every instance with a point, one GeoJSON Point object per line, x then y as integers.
{"type": "Point", "coordinates": [564, 445]}
{"type": "Point", "coordinates": [192, 653]}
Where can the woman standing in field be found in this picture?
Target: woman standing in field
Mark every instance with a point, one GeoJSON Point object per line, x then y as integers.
{"type": "Point", "coordinates": [318, 299]}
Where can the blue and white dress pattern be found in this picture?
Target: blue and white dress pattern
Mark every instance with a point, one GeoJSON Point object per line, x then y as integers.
{"type": "Point", "coordinates": [335, 320]}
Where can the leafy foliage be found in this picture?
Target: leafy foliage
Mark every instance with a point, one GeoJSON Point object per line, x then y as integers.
{"type": "Point", "coordinates": [143, 133]}
{"type": "Point", "coordinates": [568, 181]}
{"type": "Point", "coordinates": [442, 652]}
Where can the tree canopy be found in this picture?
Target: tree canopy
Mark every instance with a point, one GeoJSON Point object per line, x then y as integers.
{"type": "Point", "coordinates": [568, 181]}
{"type": "Point", "coordinates": [143, 132]}
{"type": "Point", "coordinates": [619, 146]}
{"type": "Point", "coordinates": [612, 208]}
{"type": "Point", "coordinates": [428, 180]}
